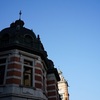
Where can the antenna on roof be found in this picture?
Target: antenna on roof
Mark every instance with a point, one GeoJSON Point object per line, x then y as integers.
{"type": "Point", "coordinates": [20, 14]}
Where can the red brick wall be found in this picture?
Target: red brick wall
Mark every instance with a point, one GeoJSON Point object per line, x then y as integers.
{"type": "Point", "coordinates": [14, 73]}
{"type": "Point", "coordinates": [38, 71]}
{"type": "Point", "coordinates": [38, 75]}
{"type": "Point", "coordinates": [15, 59]}
{"type": "Point", "coordinates": [38, 85]}
{"type": "Point", "coordinates": [38, 78]}
{"type": "Point", "coordinates": [13, 76]}
{"type": "Point", "coordinates": [52, 88]}
{"type": "Point", "coordinates": [13, 81]}
{"type": "Point", "coordinates": [14, 65]}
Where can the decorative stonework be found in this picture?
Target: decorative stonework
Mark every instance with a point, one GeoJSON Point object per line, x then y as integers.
{"type": "Point", "coordinates": [63, 87]}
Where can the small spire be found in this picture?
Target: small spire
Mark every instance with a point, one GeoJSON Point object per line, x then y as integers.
{"type": "Point", "coordinates": [20, 14]}
{"type": "Point", "coordinates": [38, 37]}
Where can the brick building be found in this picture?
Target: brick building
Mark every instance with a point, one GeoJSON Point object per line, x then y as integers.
{"type": "Point", "coordinates": [25, 71]}
{"type": "Point", "coordinates": [63, 87]}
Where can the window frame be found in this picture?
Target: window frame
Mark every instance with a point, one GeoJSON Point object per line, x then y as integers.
{"type": "Point", "coordinates": [27, 81]}
{"type": "Point", "coordinates": [28, 63]}
{"type": "Point", "coordinates": [28, 40]}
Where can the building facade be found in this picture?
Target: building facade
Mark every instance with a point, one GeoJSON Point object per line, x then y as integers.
{"type": "Point", "coordinates": [63, 87]}
{"type": "Point", "coordinates": [25, 71]}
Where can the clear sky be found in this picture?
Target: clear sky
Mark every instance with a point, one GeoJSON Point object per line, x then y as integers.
{"type": "Point", "coordinates": [70, 33]}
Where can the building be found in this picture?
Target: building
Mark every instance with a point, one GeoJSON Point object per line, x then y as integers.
{"type": "Point", "coordinates": [25, 71]}
{"type": "Point", "coordinates": [63, 87]}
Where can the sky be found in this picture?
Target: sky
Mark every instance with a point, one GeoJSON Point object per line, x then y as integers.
{"type": "Point", "coordinates": [70, 33]}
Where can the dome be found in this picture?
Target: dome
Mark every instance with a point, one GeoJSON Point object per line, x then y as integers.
{"type": "Point", "coordinates": [18, 29]}
{"type": "Point", "coordinates": [21, 36]}
{"type": "Point", "coordinates": [19, 22]}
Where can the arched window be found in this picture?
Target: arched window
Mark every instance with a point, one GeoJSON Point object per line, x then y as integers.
{"type": "Point", "coordinates": [28, 40]}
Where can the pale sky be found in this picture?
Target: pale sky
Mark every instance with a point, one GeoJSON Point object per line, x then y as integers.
{"type": "Point", "coordinates": [70, 33]}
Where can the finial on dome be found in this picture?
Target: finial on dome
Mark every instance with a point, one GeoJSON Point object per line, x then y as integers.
{"type": "Point", "coordinates": [20, 14]}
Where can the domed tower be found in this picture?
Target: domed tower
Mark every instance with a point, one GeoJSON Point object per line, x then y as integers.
{"type": "Point", "coordinates": [25, 69]}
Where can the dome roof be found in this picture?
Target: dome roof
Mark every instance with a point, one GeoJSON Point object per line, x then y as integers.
{"type": "Point", "coordinates": [19, 35]}
{"type": "Point", "coordinates": [18, 29]}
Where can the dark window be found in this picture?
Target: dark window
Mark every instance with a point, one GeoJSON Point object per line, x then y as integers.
{"type": "Point", "coordinates": [2, 70]}
{"type": "Point", "coordinates": [2, 61]}
{"type": "Point", "coordinates": [2, 73]}
{"type": "Point", "coordinates": [27, 76]}
{"type": "Point", "coordinates": [27, 62]}
{"type": "Point", "coordinates": [28, 40]}
{"type": "Point", "coordinates": [44, 83]}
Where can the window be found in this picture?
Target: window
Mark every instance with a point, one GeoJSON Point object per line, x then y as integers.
{"type": "Point", "coordinates": [27, 73]}
{"type": "Point", "coordinates": [27, 62]}
{"type": "Point", "coordinates": [2, 70]}
{"type": "Point", "coordinates": [2, 61]}
{"type": "Point", "coordinates": [28, 40]}
{"type": "Point", "coordinates": [44, 85]}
